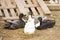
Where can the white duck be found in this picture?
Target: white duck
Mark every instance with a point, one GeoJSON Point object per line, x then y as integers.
{"type": "Point", "coordinates": [29, 27]}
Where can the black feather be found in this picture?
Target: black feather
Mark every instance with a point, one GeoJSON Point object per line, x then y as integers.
{"type": "Point", "coordinates": [16, 23]}
{"type": "Point", "coordinates": [45, 24]}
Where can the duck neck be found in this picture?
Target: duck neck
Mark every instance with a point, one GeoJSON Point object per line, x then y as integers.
{"type": "Point", "coordinates": [40, 19]}
{"type": "Point", "coordinates": [20, 19]}
{"type": "Point", "coordinates": [40, 22]}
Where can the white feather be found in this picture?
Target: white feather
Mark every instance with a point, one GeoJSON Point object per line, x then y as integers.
{"type": "Point", "coordinates": [38, 24]}
{"type": "Point", "coordinates": [29, 27]}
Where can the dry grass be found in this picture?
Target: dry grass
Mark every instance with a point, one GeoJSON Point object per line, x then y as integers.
{"type": "Point", "coordinates": [47, 34]}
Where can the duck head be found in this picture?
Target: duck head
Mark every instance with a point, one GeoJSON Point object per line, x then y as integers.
{"type": "Point", "coordinates": [40, 19]}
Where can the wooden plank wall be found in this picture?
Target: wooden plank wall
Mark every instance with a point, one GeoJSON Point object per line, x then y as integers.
{"type": "Point", "coordinates": [30, 6]}
{"type": "Point", "coordinates": [8, 9]}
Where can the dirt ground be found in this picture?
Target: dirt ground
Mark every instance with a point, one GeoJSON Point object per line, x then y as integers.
{"type": "Point", "coordinates": [47, 34]}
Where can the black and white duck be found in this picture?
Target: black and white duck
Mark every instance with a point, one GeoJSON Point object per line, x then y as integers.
{"type": "Point", "coordinates": [44, 24]}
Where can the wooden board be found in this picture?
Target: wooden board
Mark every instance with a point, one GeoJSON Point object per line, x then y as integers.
{"type": "Point", "coordinates": [8, 10]}
{"type": "Point", "coordinates": [32, 8]}
{"type": "Point", "coordinates": [44, 6]}
{"type": "Point", "coordinates": [10, 18]}
{"type": "Point", "coordinates": [5, 10]}
{"type": "Point", "coordinates": [31, 5]}
{"type": "Point", "coordinates": [4, 4]}
{"type": "Point", "coordinates": [18, 12]}
{"type": "Point", "coordinates": [20, 5]}
{"type": "Point", "coordinates": [39, 9]}
{"type": "Point", "coordinates": [53, 5]}
{"type": "Point", "coordinates": [13, 13]}
{"type": "Point", "coordinates": [12, 8]}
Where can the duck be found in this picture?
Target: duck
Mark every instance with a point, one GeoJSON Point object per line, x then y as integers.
{"type": "Point", "coordinates": [44, 24]}
{"type": "Point", "coordinates": [16, 23]}
{"type": "Point", "coordinates": [29, 26]}
{"type": "Point", "coordinates": [42, 18]}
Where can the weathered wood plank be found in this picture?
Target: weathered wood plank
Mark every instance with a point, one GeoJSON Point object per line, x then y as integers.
{"type": "Point", "coordinates": [18, 11]}
{"type": "Point", "coordinates": [7, 7]}
{"type": "Point", "coordinates": [10, 18]}
{"type": "Point", "coordinates": [3, 3]}
{"type": "Point", "coordinates": [39, 9]}
{"type": "Point", "coordinates": [8, 2]}
{"type": "Point", "coordinates": [35, 4]}
{"type": "Point", "coordinates": [44, 6]}
{"type": "Point", "coordinates": [6, 13]}
{"type": "Point", "coordinates": [53, 5]}
{"type": "Point", "coordinates": [5, 10]}
{"type": "Point", "coordinates": [20, 5]}
{"type": "Point", "coordinates": [12, 12]}
{"type": "Point", "coordinates": [13, 2]}
{"type": "Point", "coordinates": [31, 5]}
{"type": "Point", "coordinates": [32, 8]}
